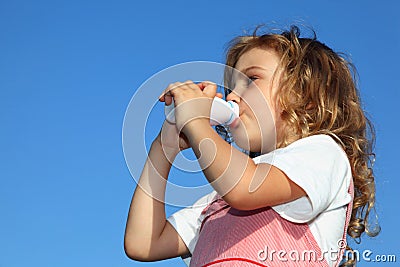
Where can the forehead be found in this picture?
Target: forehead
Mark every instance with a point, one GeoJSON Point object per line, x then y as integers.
{"type": "Point", "coordinates": [265, 58]}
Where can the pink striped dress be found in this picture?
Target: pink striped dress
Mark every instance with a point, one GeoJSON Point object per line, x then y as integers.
{"type": "Point", "coordinates": [230, 237]}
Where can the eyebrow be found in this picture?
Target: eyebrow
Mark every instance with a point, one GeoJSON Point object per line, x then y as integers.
{"type": "Point", "coordinates": [253, 67]}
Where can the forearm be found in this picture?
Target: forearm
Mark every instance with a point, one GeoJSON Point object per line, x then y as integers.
{"type": "Point", "coordinates": [147, 219]}
{"type": "Point", "coordinates": [234, 175]}
{"type": "Point", "coordinates": [226, 168]}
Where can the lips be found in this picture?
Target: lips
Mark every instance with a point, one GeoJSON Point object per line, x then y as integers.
{"type": "Point", "coordinates": [236, 122]}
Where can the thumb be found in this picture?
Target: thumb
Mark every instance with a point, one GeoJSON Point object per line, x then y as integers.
{"type": "Point", "coordinates": [210, 89]}
{"type": "Point", "coordinates": [219, 95]}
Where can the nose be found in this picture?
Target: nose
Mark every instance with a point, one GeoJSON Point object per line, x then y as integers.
{"type": "Point", "coordinates": [232, 96]}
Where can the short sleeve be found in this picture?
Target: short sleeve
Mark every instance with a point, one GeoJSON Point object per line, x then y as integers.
{"type": "Point", "coordinates": [321, 168]}
{"type": "Point", "coordinates": [187, 222]}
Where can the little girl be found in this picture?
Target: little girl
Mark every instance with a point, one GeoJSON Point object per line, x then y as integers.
{"type": "Point", "coordinates": [304, 184]}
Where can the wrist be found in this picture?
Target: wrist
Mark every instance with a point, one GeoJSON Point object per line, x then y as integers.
{"type": "Point", "coordinates": [159, 148]}
{"type": "Point", "coordinates": [196, 125]}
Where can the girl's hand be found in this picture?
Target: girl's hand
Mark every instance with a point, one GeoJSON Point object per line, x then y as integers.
{"type": "Point", "coordinates": [171, 140]}
{"type": "Point", "coordinates": [192, 101]}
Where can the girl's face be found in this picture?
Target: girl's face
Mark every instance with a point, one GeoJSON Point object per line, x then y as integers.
{"type": "Point", "coordinates": [255, 91]}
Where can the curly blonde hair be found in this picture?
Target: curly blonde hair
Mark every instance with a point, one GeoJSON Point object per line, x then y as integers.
{"type": "Point", "coordinates": [319, 95]}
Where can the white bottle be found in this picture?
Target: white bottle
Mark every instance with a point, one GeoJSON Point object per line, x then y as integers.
{"type": "Point", "coordinates": [222, 112]}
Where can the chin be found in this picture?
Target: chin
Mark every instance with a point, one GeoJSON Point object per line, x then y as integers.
{"type": "Point", "coordinates": [242, 145]}
{"type": "Point", "coordinates": [241, 138]}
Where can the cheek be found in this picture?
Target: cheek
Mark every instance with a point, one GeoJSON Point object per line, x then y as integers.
{"type": "Point", "coordinates": [259, 125]}
{"type": "Point", "coordinates": [260, 110]}
{"type": "Point", "coordinates": [255, 139]}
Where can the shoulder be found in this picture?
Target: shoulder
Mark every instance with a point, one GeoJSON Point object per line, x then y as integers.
{"type": "Point", "coordinates": [321, 142]}
{"type": "Point", "coordinates": [192, 214]}
{"type": "Point", "coordinates": [314, 149]}
{"type": "Point", "coordinates": [320, 167]}
{"type": "Point", "coordinates": [187, 221]}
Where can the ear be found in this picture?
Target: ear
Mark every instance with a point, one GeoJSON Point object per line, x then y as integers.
{"type": "Point", "coordinates": [310, 105]}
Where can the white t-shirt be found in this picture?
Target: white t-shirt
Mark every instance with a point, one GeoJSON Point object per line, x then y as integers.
{"type": "Point", "coordinates": [321, 168]}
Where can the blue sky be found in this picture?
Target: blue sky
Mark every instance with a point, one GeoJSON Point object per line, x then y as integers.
{"type": "Point", "coordinates": [68, 70]}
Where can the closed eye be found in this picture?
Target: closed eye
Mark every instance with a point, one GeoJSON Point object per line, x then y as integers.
{"type": "Point", "coordinates": [244, 82]}
{"type": "Point", "coordinates": [251, 79]}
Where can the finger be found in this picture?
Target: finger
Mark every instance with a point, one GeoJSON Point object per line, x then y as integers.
{"type": "Point", "coordinates": [210, 90]}
{"type": "Point", "coordinates": [161, 97]}
{"type": "Point", "coordinates": [203, 84]}
{"type": "Point", "coordinates": [168, 90]}
{"type": "Point", "coordinates": [190, 84]}
{"type": "Point", "coordinates": [176, 87]}
{"type": "Point", "coordinates": [168, 99]}
{"type": "Point", "coordinates": [219, 95]}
